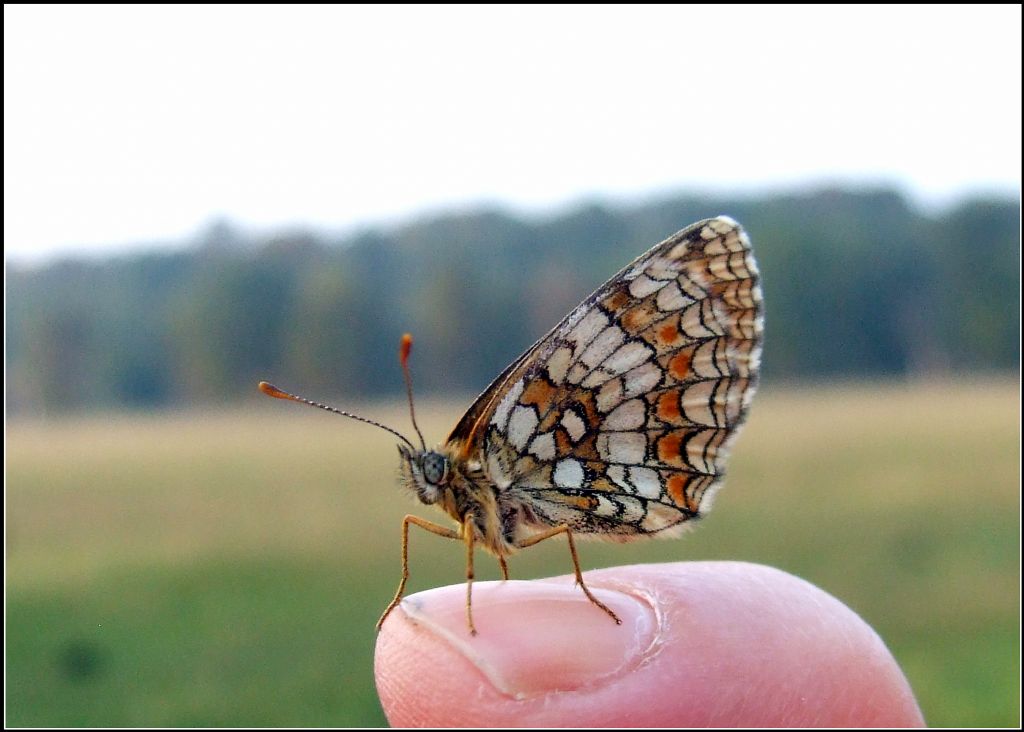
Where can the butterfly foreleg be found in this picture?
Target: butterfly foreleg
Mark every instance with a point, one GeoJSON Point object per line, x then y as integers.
{"type": "Point", "coordinates": [423, 524]}
{"type": "Point", "coordinates": [564, 529]}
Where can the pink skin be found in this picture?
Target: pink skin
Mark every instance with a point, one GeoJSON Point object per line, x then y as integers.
{"type": "Point", "coordinates": [722, 644]}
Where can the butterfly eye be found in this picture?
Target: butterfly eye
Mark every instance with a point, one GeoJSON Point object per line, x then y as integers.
{"type": "Point", "coordinates": [435, 468]}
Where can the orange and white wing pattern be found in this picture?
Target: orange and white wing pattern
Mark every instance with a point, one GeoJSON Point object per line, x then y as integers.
{"type": "Point", "coordinates": [617, 422]}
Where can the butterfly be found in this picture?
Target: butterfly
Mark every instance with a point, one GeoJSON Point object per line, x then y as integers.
{"type": "Point", "coordinates": [615, 425]}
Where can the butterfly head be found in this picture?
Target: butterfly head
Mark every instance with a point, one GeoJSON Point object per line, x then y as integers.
{"type": "Point", "coordinates": [426, 472]}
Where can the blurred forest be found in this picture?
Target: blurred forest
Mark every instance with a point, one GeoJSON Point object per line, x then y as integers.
{"type": "Point", "coordinates": [857, 284]}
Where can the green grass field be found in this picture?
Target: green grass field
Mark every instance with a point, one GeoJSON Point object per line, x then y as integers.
{"type": "Point", "coordinates": [227, 569]}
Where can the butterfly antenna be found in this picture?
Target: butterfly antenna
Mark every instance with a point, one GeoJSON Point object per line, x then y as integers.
{"type": "Point", "coordinates": [273, 391]}
{"type": "Point", "coordinates": [403, 356]}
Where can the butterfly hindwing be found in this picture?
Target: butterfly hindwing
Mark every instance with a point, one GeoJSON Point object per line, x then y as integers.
{"type": "Point", "coordinates": [617, 421]}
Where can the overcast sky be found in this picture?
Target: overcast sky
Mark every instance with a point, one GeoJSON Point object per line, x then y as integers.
{"type": "Point", "coordinates": [125, 125]}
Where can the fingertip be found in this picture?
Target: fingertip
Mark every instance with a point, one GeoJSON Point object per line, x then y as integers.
{"type": "Point", "coordinates": [528, 635]}
{"type": "Point", "coordinates": [720, 644]}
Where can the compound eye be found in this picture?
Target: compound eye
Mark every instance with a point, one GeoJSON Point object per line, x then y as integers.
{"type": "Point", "coordinates": [435, 468]}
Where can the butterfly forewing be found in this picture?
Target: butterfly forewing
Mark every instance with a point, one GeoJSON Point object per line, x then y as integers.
{"type": "Point", "coordinates": [617, 422]}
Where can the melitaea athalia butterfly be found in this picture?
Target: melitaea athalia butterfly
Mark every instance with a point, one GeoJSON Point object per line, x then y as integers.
{"type": "Point", "coordinates": [614, 425]}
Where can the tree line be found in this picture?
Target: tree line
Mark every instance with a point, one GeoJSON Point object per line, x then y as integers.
{"type": "Point", "coordinates": [856, 283]}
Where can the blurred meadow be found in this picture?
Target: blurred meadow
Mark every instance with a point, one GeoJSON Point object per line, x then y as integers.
{"type": "Point", "coordinates": [227, 568]}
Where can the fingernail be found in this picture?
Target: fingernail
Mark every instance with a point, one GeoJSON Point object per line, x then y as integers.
{"type": "Point", "coordinates": [537, 637]}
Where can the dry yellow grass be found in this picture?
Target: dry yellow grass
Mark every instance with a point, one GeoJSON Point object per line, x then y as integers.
{"type": "Point", "coordinates": [99, 491]}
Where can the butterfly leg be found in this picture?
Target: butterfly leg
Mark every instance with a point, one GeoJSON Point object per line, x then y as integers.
{"type": "Point", "coordinates": [470, 535]}
{"type": "Point", "coordinates": [504, 566]}
{"type": "Point", "coordinates": [564, 529]}
{"type": "Point", "coordinates": [423, 524]}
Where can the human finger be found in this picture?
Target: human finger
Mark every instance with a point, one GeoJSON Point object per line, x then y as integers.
{"type": "Point", "coordinates": [724, 644]}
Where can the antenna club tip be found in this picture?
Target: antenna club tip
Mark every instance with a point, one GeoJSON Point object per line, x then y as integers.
{"type": "Point", "coordinates": [270, 390]}
{"type": "Point", "coordinates": [406, 348]}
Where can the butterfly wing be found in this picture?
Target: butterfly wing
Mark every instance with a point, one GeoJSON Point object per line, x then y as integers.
{"type": "Point", "coordinates": [617, 422]}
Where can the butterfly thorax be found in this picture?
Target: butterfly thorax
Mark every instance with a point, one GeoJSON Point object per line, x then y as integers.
{"type": "Point", "coordinates": [460, 488]}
